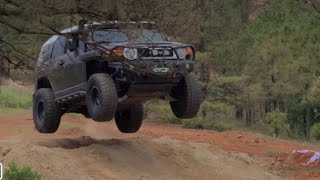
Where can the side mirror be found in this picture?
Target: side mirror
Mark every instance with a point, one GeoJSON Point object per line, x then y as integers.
{"type": "Point", "coordinates": [72, 44]}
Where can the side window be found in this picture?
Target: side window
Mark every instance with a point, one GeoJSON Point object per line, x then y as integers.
{"type": "Point", "coordinates": [72, 43]}
{"type": "Point", "coordinates": [59, 47]}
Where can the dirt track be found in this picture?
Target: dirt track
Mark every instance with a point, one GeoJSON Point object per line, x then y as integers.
{"type": "Point", "coordinates": [83, 149]}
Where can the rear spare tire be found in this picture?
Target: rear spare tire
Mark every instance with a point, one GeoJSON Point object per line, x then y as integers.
{"type": "Point", "coordinates": [46, 112]}
{"type": "Point", "coordinates": [102, 98]}
{"type": "Point", "coordinates": [188, 98]}
{"type": "Point", "coordinates": [130, 120]}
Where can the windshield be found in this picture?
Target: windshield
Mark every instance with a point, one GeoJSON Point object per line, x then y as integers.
{"type": "Point", "coordinates": [118, 36]}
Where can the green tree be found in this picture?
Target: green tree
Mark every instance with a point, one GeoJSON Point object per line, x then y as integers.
{"type": "Point", "coordinates": [277, 123]}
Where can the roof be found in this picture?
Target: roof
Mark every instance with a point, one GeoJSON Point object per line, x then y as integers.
{"type": "Point", "coordinates": [105, 24]}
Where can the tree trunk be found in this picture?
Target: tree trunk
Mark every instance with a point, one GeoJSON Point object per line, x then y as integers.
{"type": "Point", "coordinates": [248, 117]}
{"type": "Point", "coordinates": [4, 68]}
{"type": "Point", "coordinates": [239, 112]}
{"type": "Point", "coordinates": [308, 122]}
{"type": "Point", "coordinates": [275, 104]}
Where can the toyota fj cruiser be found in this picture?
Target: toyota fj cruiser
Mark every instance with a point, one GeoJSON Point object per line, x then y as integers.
{"type": "Point", "coordinates": [106, 71]}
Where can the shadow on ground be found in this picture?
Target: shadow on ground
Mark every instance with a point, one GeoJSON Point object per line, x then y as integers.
{"type": "Point", "coordinates": [83, 141]}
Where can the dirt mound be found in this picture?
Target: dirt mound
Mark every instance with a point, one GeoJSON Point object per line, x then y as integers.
{"type": "Point", "coordinates": [131, 158]}
{"type": "Point", "coordinates": [70, 131]}
{"type": "Point", "coordinates": [83, 149]}
{"type": "Point", "coordinates": [163, 158]}
{"type": "Point", "coordinates": [50, 163]}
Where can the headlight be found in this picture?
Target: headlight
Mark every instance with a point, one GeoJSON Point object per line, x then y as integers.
{"type": "Point", "coordinates": [190, 53]}
{"type": "Point", "coordinates": [130, 53]}
{"type": "Point", "coordinates": [181, 53]}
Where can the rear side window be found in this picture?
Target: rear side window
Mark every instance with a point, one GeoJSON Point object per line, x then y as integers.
{"type": "Point", "coordinates": [59, 47]}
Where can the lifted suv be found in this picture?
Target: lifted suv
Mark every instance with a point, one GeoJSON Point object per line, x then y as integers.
{"type": "Point", "coordinates": [105, 71]}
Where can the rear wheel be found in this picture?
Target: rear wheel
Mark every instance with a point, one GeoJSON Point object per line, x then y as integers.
{"type": "Point", "coordinates": [188, 98]}
{"type": "Point", "coordinates": [130, 120]}
{"type": "Point", "coordinates": [102, 98]}
{"type": "Point", "coordinates": [46, 112]}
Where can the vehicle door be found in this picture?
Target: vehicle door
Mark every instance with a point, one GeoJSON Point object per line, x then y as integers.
{"type": "Point", "coordinates": [70, 77]}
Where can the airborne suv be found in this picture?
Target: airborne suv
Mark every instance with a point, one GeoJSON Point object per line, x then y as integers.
{"type": "Point", "coordinates": [106, 71]}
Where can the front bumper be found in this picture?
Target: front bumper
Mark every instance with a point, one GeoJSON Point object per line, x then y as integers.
{"type": "Point", "coordinates": [155, 71]}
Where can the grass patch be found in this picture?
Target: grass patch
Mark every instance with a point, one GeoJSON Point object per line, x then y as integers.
{"type": "Point", "coordinates": [9, 112]}
{"type": "Point", "coordinates": [197, 123]}
{"type": "Point", "coordinates": [20, 173]}
{"type": "Point", "coordinates": [75, 116]}
{"type": "Point", "coordinates": [15, 98]}
{"type": "Point", "coordinates": [161, 110]}
{"type": "Point", "coordinates": [68, 125]}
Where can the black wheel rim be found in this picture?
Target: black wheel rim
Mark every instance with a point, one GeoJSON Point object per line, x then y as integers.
{"type": "Point", "coordinates": [95, 96]}
{"type": "Point", "coordinates": [41, 112]}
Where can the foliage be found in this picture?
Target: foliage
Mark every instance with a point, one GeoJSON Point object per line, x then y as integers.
{"type": "Point", "coordinates": [20, 173]}
{"type": "Point", "coordinates": [215, 111]}
{"type": "Point", "coordinates": [202, 124]}
{"type": "Point", "coordinates": [14, 98]}
{"type": "Point", "coordinates": [315, 131]}
{"type": "Point", "coordinates": [269, 64]}
{"type": "Point", "coordinates": [277, 123]}
{"type": "Point", "coordinates": [312, 97]}
{"type": "Point", "coordinates": [161, 110]}
{"type": "Point", "coordinates": [213, 116]}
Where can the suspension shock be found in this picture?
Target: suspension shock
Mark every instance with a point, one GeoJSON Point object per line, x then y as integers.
{"type": "Point", "coordinates": [117, 81]}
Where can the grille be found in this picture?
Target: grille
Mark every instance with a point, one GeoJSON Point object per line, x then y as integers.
{"type": "Point", "coordinates": [156, 53]}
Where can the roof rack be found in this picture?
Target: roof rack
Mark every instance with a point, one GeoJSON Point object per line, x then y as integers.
{"type": "Point", "coordinates": [85, 25]}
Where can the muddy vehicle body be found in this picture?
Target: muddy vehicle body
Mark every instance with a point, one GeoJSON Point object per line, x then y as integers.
{"type": "Point", "coordinates": [105, 71]}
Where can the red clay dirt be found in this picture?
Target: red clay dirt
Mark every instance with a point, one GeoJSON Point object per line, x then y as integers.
{"type": "Point", "coordinates": [277, 152]}
{"type": "Point", "coordinates": [272, 154]}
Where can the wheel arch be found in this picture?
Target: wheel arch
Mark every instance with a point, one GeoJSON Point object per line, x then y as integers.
{"type": "Point", "coordinates": [43, 83]}
{"type": "Point", "coordinates": [94, 67]}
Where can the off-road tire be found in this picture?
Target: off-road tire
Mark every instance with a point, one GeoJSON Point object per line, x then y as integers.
{"type": "Point", "coordinates": [188, 98]}
{"type": "Point", "coordinates": [46, 112]}
{"type": "Point", "coordinates": [130, 120]}
{"type": "Point", "coordinates": [102, 97]}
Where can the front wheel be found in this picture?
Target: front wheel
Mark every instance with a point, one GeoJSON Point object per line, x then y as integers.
{"type": "Point", "coordinates": [46, 112]}
{"type": "Point", "coordinates": [188, 98]}
{"type": "Point", "coordinates": [102, 97]}
{"type": "Point", "coordinates": [130, 120]}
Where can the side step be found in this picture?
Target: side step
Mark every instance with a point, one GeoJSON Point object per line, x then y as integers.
{"type": "Point", "coordinates": [71, 97]}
